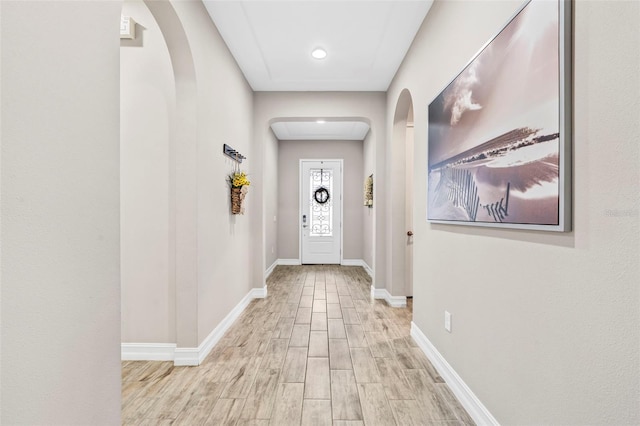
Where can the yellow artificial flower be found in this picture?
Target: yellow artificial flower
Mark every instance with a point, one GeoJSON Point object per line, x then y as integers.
{"type": "Point", "coordinates": [239, 179]}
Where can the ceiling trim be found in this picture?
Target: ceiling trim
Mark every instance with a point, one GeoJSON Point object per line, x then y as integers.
{"type": "Point", "coordinates": [328, 129]}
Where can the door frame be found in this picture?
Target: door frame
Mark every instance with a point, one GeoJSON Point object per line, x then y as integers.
{"type": "Point", "coordinates": [300, 183]}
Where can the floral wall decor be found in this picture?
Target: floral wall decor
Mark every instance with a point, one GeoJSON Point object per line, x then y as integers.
{"type": "Point", "coordinates": [239, 188]}
{"type": "Point", "coordinates": [368, 191]}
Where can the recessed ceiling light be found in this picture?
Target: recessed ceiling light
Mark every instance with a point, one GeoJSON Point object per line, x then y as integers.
{"type": "Point", "coordinates": [320, 121]}
{"type": "Point", "coordinates": [319, 53]}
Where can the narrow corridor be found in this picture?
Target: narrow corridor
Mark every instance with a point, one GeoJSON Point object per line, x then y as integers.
{"type": "Point", "coordinates": [316, 351]}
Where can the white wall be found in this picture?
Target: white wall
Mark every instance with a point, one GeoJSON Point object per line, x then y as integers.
{"type": "Point", "coordinates": [147, 127]}
{"type": "Point", "coordinates": [346, 105]}
{"type": "Point", "coordinates": [545, 325]}
{"type": "Point", "coordinates": [60, 213]}
{"type": "Point", "coordinates": [289, 156]}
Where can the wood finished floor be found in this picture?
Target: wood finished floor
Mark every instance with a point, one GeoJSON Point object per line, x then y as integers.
{"type": "Point", "coordinates": [316, 351]}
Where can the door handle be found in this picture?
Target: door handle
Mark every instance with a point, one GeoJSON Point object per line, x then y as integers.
{"type": "Point", "coordinates": [304, 220]}
{"type": "Point", "coordinates": [409, 233]}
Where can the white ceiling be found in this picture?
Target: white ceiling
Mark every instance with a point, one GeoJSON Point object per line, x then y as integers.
{"type": "Point", "coordinates": [272, 41]}
{"type": "Point", "coordinates": [312, 130]}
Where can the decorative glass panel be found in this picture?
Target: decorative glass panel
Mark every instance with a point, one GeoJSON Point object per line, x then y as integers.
{"type": "Point", "coordinates": [321, 203]}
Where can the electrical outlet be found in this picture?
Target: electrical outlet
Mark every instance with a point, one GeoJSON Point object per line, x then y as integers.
{"type": "Point", "coordinates": [447, 321]}
{"type": "Point", "coordinates": [275, 219]}
{"type": "Point", "coordinates": [273, 249]}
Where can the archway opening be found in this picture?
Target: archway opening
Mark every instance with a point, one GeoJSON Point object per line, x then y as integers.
{"type": "Point", "coordinates": [401, 198]}
{"type": "Point", "coordinates": [158, 106]}
{"type": "Point", "coordinates": [302, 139]}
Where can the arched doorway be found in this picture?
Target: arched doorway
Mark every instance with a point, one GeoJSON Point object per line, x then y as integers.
{"type": "Point", "coordinates": [158, 132]}
{"type": "Point", "coordinates": [401, 198]}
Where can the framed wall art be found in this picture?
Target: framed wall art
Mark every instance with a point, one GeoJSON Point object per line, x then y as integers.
{"type": "Point", "coordinates": [499, 147]}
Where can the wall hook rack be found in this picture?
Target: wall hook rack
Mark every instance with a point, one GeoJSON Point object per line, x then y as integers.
{"type": "Point", "coordinates": [232, 153]}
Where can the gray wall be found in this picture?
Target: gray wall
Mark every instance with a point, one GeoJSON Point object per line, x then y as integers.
{"type": "Point", "coordinates": [368, 216]}
{"type": "Point", "coordinates": [289, 155]}
{"type": "Point", "coordinates": [147, 127]}
{"type": "Point", "coordinates": [271, 201]}
{"type": "Point", "coordinates": [221, 240]}
{"type": "Point", "coordinates": [545, 325]}
{"type": "Point", "coordinates": [182, 97]}
{"type": "Point", "coordinates": [60, 260]}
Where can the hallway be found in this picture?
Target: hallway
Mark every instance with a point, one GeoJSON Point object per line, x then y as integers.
{"type": "Point", "coordinates": [316, 351]}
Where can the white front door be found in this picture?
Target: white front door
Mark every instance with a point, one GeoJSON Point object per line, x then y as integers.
{"type": "Point", "coordinates": [321, 211]}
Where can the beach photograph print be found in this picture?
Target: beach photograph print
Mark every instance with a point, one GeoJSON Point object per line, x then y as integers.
{"type": "Point", "coordinates": [494, 148]}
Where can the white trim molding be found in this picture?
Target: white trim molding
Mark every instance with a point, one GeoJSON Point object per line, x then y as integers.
{"type": "Point", "coordinates": [478, 412]}
{"type": "Point", "coordinates": [289, 262]}
{"type": "Point", "coordinates": [396, 301]}
{"type": "Point", "coordinates": [358, 262]}
{"type": "Point", "coordinates": [186, 356]}
{"type": "Point", "coordinates": [296, 262]}
{"type": "Point", "coordinates": [148, 351]}
{"type": "Point", "coordinates": [195, 356]}
{"type": "Point", "coordinates": [189, 356]}
{"type": "Point", "coordinates": [270, 269]}
{"type": "Point", "coordinates": [393, 301]}
{"type": "Point", "coordinates": [258, 293]}
{"type": "Point", "coordinates": [378, 293]}
{"type": "Point", "coordinates": [283, 262]}
{"type": "Point", "coordinates": [367, 268]}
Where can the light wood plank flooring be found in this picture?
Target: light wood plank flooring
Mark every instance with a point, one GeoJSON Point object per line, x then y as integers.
{"type": "Point", "coordinates": [316, 351]}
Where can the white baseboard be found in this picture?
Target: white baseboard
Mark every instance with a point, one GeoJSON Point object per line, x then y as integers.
{"type": "Point", "coordinates": [367, 268]}
{"type": "Point", "coordinates": [296, 262]}
{"type": "Point", "coordinates": [259, 293]}
{"type": "Point", "coordinates": [393, 301]}
{"type": "Point", "coordinates": [289, 262]}
{"type": "Point", "coordinates": [284, 262]}
{"type": "Point", "coordinates": [148, 351]}
{"type": "Point", "coordinates": [478, 412]}
{"type": "Point", "coordinates": [195, 356]}
{"type": "Point", "coordinates": [358, 262]}
{"type": "Point", "coordinates": [396, 301]}
{"type": "Point", "coordinates": [186, 356]}
{"type": "Point", "coordinates": [189, 356]}
{"type": "Point", "coordinates": [378, 293]}
{"type": "Point", "coordinates": [269, 270]}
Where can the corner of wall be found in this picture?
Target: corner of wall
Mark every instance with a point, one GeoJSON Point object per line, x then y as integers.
{"type": "Point", "coordinates": [474, 407]}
